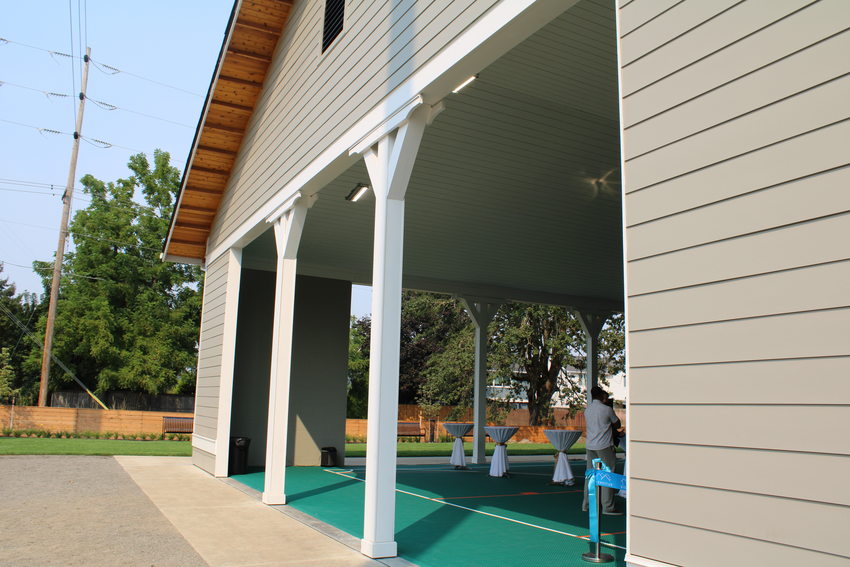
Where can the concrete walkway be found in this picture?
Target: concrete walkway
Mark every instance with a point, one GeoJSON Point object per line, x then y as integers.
{"type": "Point", "coordinates": [228, 527]}
{"type": "Point", "coordinates": [58, 510]}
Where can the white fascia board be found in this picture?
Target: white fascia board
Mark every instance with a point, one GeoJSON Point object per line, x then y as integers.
{"type": "Point", "coordinates": [481, 44]}
{"type": "Point", "coordinates": [203, 443]}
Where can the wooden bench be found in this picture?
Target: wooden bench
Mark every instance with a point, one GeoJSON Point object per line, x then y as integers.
{"type": "Point", "coordinates": [171, 424]}
{"type": "Point", "coordinates": [410, 429]}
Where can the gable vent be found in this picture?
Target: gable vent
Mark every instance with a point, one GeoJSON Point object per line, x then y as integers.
{"type": "Point", "coordinates": [334, 16]}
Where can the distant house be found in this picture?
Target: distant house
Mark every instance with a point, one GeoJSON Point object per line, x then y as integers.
{"type": "Point", "coordinates": [503, 390]}
{"type": "Point", "coordinates": [683, 161]}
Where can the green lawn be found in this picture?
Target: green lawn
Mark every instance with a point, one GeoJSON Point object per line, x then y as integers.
{"type": "Point", "coordinates": [445, 449]}
{"type": "Point", "coordinates": [46, 446]}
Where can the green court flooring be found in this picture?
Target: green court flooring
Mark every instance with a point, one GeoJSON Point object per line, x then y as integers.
{"type": "Point", "coordinates": [447, 517]}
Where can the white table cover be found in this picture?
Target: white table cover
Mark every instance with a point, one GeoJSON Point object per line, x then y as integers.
{"type": "Point", "coordinates": [562, 440]}
{"type": "Point", "coordinates": [499, 462]}
{"type": "Point", "coordinates": [458, 430]}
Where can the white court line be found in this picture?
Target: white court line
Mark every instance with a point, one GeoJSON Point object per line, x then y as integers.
{"type": "Point", "coordinates": [544, 528]}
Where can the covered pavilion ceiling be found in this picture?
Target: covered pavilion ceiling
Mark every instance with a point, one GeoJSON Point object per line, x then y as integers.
{"type": "Point", "coordinates": [515, 193]}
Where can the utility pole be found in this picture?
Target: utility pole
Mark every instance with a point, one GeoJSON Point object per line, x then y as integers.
{"type": "Point", "coordinates": [63, 236]}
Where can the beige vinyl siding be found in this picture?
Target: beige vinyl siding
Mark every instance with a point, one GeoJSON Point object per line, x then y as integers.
{"type": "Point", "coordinates": [209, 352]}
{"type": "Point", "coordinates": [747, 382]}
{"type": "Point", "coordinates": [737, 212]}
{"type": "Point", "coordinates": [768, 472]}
{"type": "Point", "coordinates": [203, 460]}
{"type": "Point", "coordinates": [675, 542]}
{"type": "Point", "coordinates": [310, 98]}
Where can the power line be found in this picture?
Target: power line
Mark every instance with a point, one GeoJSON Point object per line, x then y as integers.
{"type": "Point", "coordinates": [107, 145]}
{"type": "Point", "coordinates": [109, 107]}
{"type": "Point", "coordinates": [40, 130]}
{"type": "Point", "coordinates": [24, 183]}
{"type": "Point", "coordinates": [112, 70]}
{"type": "Point", "coordinates": [47, 269]}
{"type": "Point", "coordinates": [92, 141]}
{"type": "Point", "coordinates": [99, 103]}
{"type": "Point", "coordinates": [89, 236]}
{"type": "Point", "coordinates": [25, 191]}
{"type": "Point", "coordinates": [55, 187]}
{"type": "Point", "coordinates": [102, 67]}
{"type": "Point", "coordinates": [48, 94]}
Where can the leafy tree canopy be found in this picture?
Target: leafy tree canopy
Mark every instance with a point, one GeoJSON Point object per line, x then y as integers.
{"type": "Point", "coordinates": [126, 320]}
{"type": "Point", "coordinates": [24, 308]}
{"type": "Point", "coordinates": [534, 345]}
{"type": "Point", "coordinates": [428, 320]}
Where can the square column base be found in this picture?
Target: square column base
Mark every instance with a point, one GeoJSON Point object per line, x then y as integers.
{"type": "Point", "coordinates": [274, 499]}
{"type": "Point", "coordinates": [378, 549]}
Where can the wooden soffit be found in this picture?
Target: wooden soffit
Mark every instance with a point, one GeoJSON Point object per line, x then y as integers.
{"type": "Point", "coordinates": [252, 34]}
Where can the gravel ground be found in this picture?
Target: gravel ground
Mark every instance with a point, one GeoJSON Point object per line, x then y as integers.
{"type": "Point", "coordinates": [73, 510]}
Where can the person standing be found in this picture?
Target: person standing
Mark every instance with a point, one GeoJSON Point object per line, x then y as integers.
{"type": "Point", "coordinates": [599, 419]}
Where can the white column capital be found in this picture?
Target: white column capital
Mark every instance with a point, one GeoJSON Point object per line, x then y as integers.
{"type": "Point", "coordinates": [592, 322]}
{"type": "Point", "coordinates": [413, 110]}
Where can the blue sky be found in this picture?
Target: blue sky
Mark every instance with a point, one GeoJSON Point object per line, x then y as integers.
{"type": "Point", "coordinates": [166, 52]}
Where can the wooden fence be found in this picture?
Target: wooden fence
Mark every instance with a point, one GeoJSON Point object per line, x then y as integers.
{"type": "Point", "coordinates": [78, 420]}
{"type": "Point", "coordinates": [356, 428]}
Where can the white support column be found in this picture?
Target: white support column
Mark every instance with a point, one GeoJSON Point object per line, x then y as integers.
{"type": "Point", "coordinates": [591, 324]}
{"type": "Point", "coordinates": [481, 312]}
{"type": "Point", "coordinates": [228, 356]}
{"type": "Point", "coordinates": [390, 162]}
{"type": "Point", "coordinates": [288, 225]}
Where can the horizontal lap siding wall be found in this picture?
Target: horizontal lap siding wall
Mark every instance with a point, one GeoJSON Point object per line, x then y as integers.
{"type": "Point", "coordinates": [310, 98]}
{"type": "Point", "coordinates": [737, 213]}
{"type": "Point", "coordinates": [209, 351]}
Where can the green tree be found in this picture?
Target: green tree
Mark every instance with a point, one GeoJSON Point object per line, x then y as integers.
{"type": "Point", "coordinates": [428, 323]}
{"type": "Point", "coordinates": [15, 309]}
{"type": "Point", "coordinates": [358, 368]}
{"type": "Point", "coordinates": [449, 374]}
{"type": "Point", "coordinates": [7, 377]}
{"type": "Point", "coordinates": [533, 346]}
{"type": "Point", "coordinates": [125, 319]}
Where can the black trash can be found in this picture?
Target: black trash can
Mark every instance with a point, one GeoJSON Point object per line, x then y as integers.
{"type": "Point", "coordinates": [238, 461]}
{"type": "Point", "coordinates": [329, 456]}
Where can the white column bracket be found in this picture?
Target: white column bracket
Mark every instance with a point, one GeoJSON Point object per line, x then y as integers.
{"type": "Point", "coordinates": [591, 324]}
{"type": "Point", "coordinates": [481, 311]}
{"type": "Point", "coordinates": [288, 223]}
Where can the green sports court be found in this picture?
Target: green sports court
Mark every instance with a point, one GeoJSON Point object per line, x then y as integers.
{"type": "Point", "coordinates": [447, 517]}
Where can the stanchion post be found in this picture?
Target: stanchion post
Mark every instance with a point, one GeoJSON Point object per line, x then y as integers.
{"type": "Point", "coordinates": [595, 554]}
